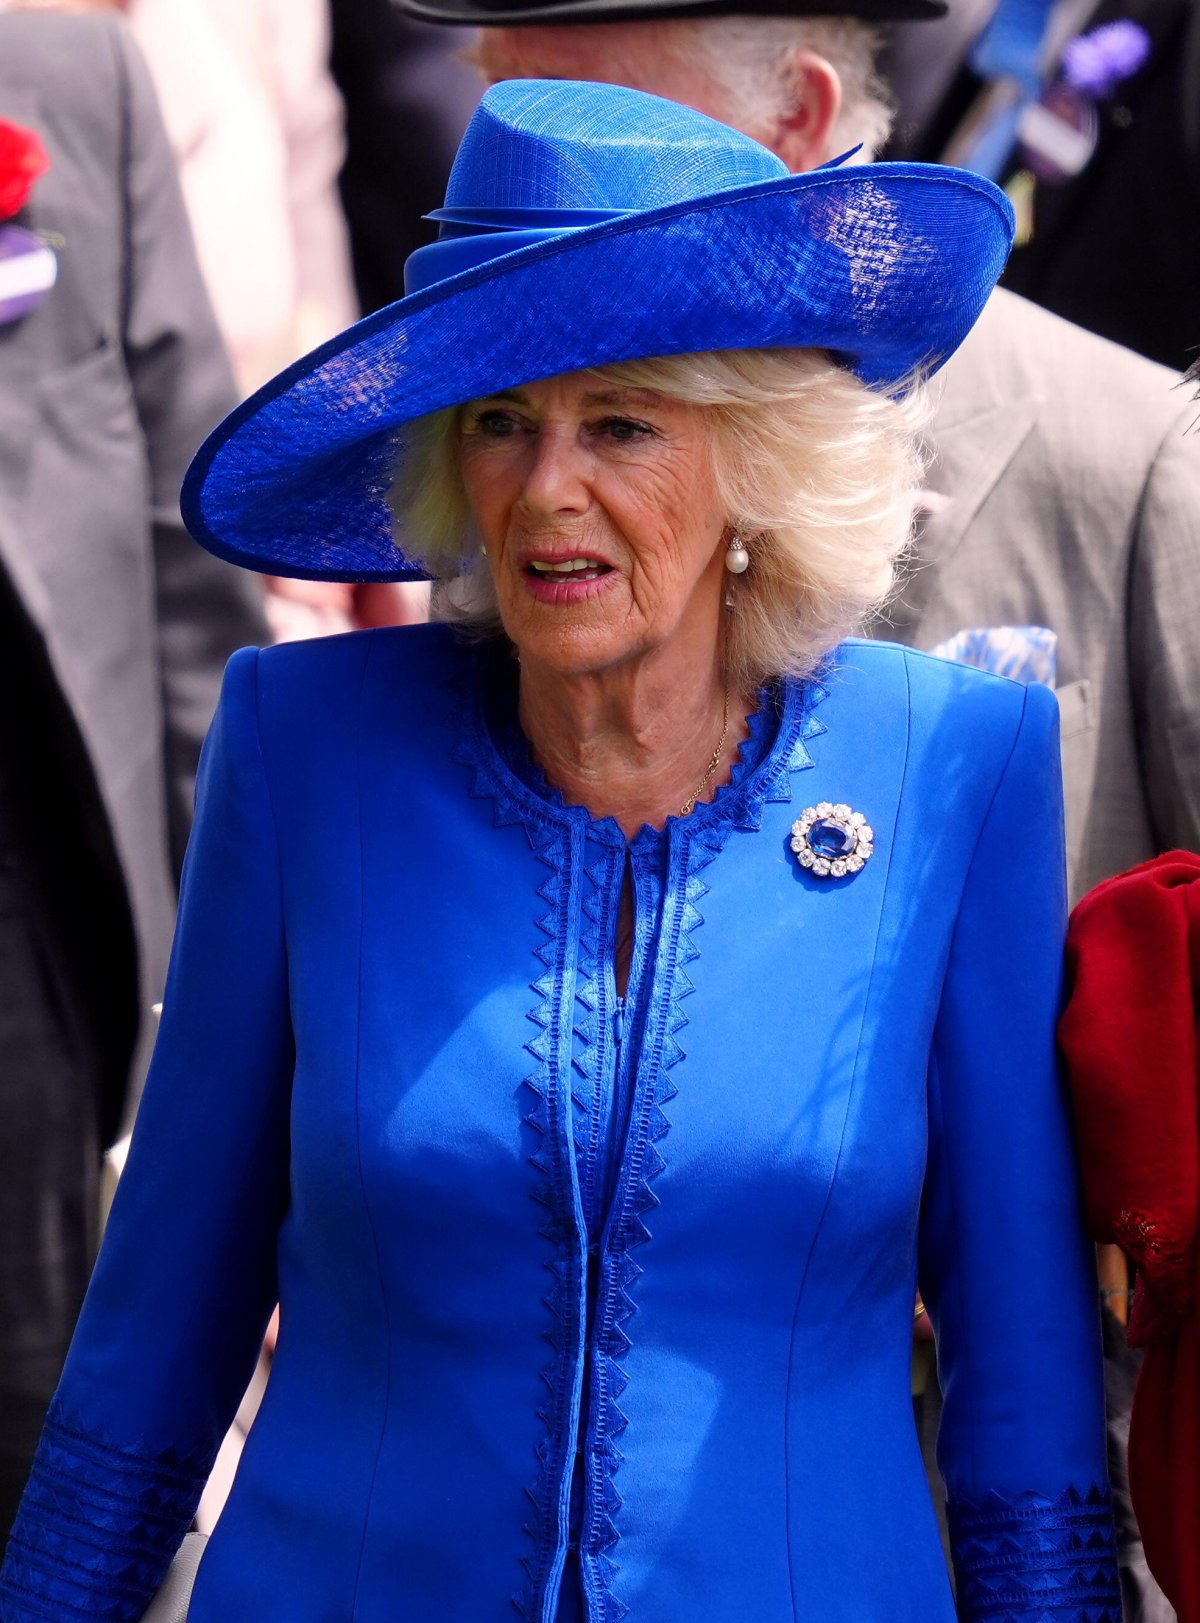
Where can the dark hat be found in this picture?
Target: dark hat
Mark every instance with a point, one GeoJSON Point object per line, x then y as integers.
{"type": "Point", "coordinates": [508, 13]}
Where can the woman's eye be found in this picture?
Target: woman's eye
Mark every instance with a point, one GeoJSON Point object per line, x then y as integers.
{"type": "Point", "coordinates": [496, 425]}
{"type": "Point", "coordinates": [624, 430]}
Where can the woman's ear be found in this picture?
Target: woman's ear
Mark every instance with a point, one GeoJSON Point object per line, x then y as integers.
{"type": "Point", "coordinates": [803, 132]}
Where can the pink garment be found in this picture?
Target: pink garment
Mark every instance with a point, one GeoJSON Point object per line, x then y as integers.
{"type": "Point", "coordinates": [256, 124]}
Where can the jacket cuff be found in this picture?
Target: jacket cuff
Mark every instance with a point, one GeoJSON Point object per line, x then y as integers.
{"type": "Point", "coordinates": [1036, 1560]}
{"type": "Point", "coordinates": [98, 1527]}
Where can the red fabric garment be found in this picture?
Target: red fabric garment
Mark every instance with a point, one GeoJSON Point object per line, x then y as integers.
{"type": "Point", "coordinates": [1129, 1038]}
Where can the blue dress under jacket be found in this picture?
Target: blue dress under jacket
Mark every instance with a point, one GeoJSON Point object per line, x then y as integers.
{"type": "Point", "coordinates": [585, 1305]}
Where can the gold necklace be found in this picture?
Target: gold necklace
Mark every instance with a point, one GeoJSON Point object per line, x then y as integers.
{"type": "Point", "coordinates": [686, 809]}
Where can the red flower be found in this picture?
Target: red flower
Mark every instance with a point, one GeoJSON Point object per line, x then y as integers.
{"type": "Point", "coordinates": [23, 160]}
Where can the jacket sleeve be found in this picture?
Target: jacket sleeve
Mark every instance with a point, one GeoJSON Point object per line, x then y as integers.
{"type": "Point", "coordinates": [1005, 1269]}
{"type": "Point", "coordinates": [182, 387]}
{"type": "Point", "coordinates": [1164, 606]}
{"type": "Point", "coordinates": [185, 1281]}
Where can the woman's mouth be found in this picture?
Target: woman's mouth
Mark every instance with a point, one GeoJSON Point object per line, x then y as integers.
{"type": "Point", "coordinates": [580, 568]}
{"type": "Point", "coordinates": [566, 579]}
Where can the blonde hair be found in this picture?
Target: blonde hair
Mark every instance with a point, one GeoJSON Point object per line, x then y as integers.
{"type": "Point", "coordinates": [817, 473]}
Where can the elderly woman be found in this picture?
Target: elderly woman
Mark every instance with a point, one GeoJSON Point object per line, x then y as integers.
{"type": "Point", "coordinates": [594, 1019]}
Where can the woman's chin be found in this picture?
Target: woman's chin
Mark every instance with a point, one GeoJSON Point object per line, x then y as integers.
{"type": "Point", "coordinates": [573, 628]}
{"type": "Point", "coordinates": [573, 647]}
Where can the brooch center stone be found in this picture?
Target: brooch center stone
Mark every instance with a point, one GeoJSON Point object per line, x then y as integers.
{"type": "Point", "coordinates": [831, 840]}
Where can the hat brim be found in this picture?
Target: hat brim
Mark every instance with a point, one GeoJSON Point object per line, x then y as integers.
{"type": "Point", "coordinates": [501, 14]}
{"type": "Point", "coordinates": [886, 265]}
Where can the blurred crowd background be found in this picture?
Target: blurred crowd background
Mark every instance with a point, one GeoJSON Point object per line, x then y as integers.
{"type": "Point", "coordinates": [309, 137]}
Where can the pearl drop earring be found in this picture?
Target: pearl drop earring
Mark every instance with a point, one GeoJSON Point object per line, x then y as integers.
{"type": "Point", "coordinates": [737, 558]}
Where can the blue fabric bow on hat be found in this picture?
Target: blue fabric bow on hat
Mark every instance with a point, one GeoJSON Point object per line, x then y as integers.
{"type": "Point", "coordinates": [586, 224]}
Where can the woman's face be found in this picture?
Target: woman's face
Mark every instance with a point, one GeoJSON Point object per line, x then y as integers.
{"type": "Point", "coordinates": [597, 507]}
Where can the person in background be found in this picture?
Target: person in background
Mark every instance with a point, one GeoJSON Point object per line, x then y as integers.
{"type": "Point", "coordinates": [114, 629]}
{"type": "Point", "coordinates": [1128, 1038]}
{"type": "Point", "coordinates": [256, 123]}
{"type": "Point", "coordinates": [408, 99]}
{"type": "Point", "coordinates": [1061, 533]}
{"type": "Point", "coordinates": [1089, 111]}
{"type": "Point", "coordinates": [257, 128]}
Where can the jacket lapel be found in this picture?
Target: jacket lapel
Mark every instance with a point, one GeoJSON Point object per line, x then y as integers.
{"type": "Point", "coordinates": [975, 435]}
{"type": "Point", "coordinates": [22, 346]}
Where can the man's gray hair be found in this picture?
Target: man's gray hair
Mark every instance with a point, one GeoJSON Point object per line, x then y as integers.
{"type": "Point", "coordinates": [748, 56]}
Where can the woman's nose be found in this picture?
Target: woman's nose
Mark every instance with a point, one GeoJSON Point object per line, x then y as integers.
{"type": "Point", "coordinates": [556, 480]}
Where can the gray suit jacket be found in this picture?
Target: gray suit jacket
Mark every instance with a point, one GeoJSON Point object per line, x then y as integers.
{"type": "Point", "coordinates": [1072, 480]}
{"type": "Point", "coordinates": [105, 392]}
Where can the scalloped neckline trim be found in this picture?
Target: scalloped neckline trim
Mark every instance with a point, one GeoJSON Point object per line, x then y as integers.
{"type": "Point", "coordinates": [787, 708]}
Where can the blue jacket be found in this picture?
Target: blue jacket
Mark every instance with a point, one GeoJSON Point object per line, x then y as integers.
{"type": "Point", "coordinates": [389, 1016]}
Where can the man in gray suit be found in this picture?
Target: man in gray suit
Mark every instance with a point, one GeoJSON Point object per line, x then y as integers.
{"type": "Point", "coordinates": [1062, 507]}
{"type": "Point", "coordinates": [1065, 488]}
{"type": "Point", "coordinates": [114, 628]}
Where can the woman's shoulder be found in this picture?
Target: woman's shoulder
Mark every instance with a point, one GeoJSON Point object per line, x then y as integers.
{"type": "Point", "coordinates": [299, 697]}
{"type": "Point", "coordinates": [970, 712]}
{"type": "Point", "coordinates": [312, 715]}
{"type": "Point", "coordinates": [322, 674]}
{"type": "Point", "coordinates": [935, 741]}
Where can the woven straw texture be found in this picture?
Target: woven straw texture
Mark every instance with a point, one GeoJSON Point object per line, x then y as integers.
{"type": "Point", "coordinates": [887, 265]}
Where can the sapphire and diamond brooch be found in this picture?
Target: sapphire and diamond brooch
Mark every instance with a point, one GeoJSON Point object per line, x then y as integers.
{"type": "Point", "coordinates": [832, 841]}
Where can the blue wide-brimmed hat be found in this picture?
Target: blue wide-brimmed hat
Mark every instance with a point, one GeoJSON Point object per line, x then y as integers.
{"type": "Point", "coordinates": [586, 224]}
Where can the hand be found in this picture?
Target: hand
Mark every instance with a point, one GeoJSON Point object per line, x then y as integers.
{"type": "Point", "coordinates": [1112, 1267]}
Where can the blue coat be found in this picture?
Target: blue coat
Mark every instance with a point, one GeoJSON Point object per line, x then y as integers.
{"type": "Point", "coordinates": [389, 1020]}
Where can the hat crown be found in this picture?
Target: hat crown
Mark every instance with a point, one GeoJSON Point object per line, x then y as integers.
{"type": "Point", "coordinates": [549, 144]}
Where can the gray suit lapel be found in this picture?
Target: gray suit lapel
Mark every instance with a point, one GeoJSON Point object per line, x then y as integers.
{"type": "Point", "coordinates": [973, 443]}
{"type": "Point", "coordinates": [20, 370]}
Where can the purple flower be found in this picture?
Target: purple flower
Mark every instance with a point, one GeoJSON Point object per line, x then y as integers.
{"type": "Point", "coordinates": [28, 270]}
{"type": "Point", "coordinates": [1096, 63]}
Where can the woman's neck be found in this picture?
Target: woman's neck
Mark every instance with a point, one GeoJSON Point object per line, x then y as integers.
{"type": "Point", "coordinates": [632, 743]}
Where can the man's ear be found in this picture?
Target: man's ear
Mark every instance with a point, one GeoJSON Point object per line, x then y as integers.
{"type": "Point", "coordinates": [803, 133]}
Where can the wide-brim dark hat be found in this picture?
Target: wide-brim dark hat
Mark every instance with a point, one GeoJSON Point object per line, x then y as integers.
{"type": "Point", "coordinates": [587, 224]}
{"type": "Point", "coordinates": [514, 13]}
